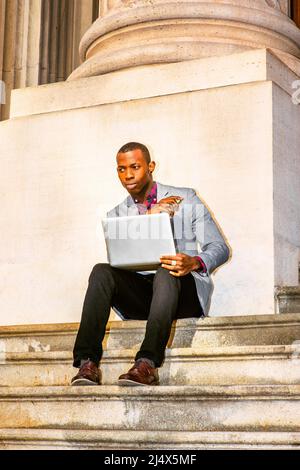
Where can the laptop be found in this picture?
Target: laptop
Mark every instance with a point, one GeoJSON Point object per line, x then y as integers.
{"type": "Point", "coordinates": [136, 242]}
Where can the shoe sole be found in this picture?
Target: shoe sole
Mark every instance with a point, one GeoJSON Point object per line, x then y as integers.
{"type": "Point", "coordinates": [132, 383]}
{"type": "Point", "coordinates": [83, 382]}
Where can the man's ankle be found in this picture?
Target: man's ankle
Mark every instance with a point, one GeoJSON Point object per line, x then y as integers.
{"type": "Point", "coordinates": [149, 361]}
{"type": "Point", "coordinates": [85, 361]}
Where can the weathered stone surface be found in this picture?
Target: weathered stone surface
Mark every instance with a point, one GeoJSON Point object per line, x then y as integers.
{"type": "Point", "coordinates": [187, 366]}
{"type": "Point", "coordinates": [191, 409]}
{"type": "Point", "coordinates": [141, 83]}
{"type": "Point", "coordinates": [61, 219]}
{"type": "Point", "coordinates": [288, 299]}
{"type": "Point", "coordinates": [60, 439]}
{"type": "Point", "coordinates": [218, 331]}
{"type": "Point", "coordinates": [131, 34]}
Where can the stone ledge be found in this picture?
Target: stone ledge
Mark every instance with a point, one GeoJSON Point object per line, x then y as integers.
{"type": "Point", "coordinates": [187, 366]}
{"type": "Point", "coordinates": [165, 393]}
{"type": "Point", "coordinates": [129, 439]}
{"type": "Point", "coordinates": [232, 352]}
{"type": "Point", "coordinates": [287, 299]}
{"type": "Point", "coordinates": [288, 290]}
{"type": "Point", "coordinates": [126, 326]}
{"type": "Point", "coordinates": [169, 408]}
{"type": "Point", "coordinates": [158, 80]}
{"type": "Point", "coordinates": [208, 332]}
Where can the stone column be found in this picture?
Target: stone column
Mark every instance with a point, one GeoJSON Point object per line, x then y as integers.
{"type": "Point", "coordinates": [130, 33]}
{"type": "Point", "coordinates": [19, 47]}
{"type": "Point", "coordinates": [39, 41]}
{"type": "Point", "coordinates": [63, 24]}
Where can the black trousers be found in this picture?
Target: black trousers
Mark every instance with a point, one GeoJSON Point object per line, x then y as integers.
{"type": "Point", "coordinates": [158, 298]}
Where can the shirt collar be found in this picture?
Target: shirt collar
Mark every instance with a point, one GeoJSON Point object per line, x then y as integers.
{"type": "Point", "coordinates": [151, 197]}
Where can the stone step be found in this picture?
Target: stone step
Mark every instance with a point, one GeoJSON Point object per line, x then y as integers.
{"type": "Point", "coordinates": [105, 439]}
{"type": "Point", "coordinates": [205, 409]}
{"type": "Point", "coordinates": [225, 365]}
{"type": "Point", "coordinates": [219, 331]}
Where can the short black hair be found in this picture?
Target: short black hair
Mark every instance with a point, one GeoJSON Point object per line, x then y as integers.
{"type": "Point", "coordinates": [135, 146]}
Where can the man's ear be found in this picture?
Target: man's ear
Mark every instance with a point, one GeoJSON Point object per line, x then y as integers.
{"type": "Point", "coordinates": [151, 167]}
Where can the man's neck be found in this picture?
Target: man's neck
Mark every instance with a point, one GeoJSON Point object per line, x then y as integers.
{"type": "Point", "coordinates": [141, 197]}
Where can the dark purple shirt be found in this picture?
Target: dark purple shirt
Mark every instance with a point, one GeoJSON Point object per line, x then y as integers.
{"type": "Point", "coordinates": [150, 200]}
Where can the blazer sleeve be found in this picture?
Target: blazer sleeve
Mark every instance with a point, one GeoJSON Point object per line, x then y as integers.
{"type": "Point", "coordinates": [215, 251]}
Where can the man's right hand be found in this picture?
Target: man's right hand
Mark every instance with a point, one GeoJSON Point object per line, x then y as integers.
{"type": "Point", "coordinates": [168, 204]}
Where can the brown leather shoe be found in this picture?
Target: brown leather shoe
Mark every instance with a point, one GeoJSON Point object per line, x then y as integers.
{"type": "Point", "coordinates": [140, 374]}
{"type": "Point", "coordinates": [88, 374]}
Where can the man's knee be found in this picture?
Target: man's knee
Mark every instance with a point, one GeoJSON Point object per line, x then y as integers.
{"type": "Point", "coordinates": [101, 271]}
{"type": "Point", "coordinates": [163, 276]}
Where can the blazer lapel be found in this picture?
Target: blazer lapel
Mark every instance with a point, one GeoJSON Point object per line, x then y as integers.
{"type": "Point", "coordinates": [127, 207]}
{"type": "Point", "coordinates": [162, 191]}
{"type": "Point", "coordinates": [131, 207]}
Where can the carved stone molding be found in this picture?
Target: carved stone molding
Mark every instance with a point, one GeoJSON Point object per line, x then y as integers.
{"type": "Point", "coordinates": [274, 4]}
{"type": "Point", "coordinates": [130, 33]}
{"type": "Point", "coordinates": [281, 5]}
{"type": "Point", "coordinates": [113, 4]}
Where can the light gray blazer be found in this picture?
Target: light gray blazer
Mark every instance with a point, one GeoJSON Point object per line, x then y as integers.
{"type": "Point", "coordinates": [192, 225]}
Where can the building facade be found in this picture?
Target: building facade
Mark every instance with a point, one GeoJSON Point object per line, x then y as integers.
{"type": "Point", "coordinates": [212, 87]}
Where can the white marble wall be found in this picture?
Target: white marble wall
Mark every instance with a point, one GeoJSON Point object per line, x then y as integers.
{"type": "Point", "coordinates": [229, 126]}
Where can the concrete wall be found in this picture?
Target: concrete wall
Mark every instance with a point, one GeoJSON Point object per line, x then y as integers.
{"type": "Point", "coordinates": [58, 178]}
{"type": "Point", "coordinates": [55, 188]}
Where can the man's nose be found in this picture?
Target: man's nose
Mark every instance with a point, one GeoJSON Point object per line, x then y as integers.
{"type": "Point", "coordinates": [128, 175]}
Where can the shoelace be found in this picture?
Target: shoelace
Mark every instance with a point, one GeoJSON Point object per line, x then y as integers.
{"type": "Point", "coordinates": [88, 368]}
{"type": "Point", "coordinates": [141, 367]}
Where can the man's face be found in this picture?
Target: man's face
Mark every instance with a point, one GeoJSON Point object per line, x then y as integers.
{"type": "Point", "coordinates": [133, 171]}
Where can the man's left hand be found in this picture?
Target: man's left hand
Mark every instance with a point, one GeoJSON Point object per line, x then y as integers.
{"type": "Point", "coordinates": [184, 264]}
